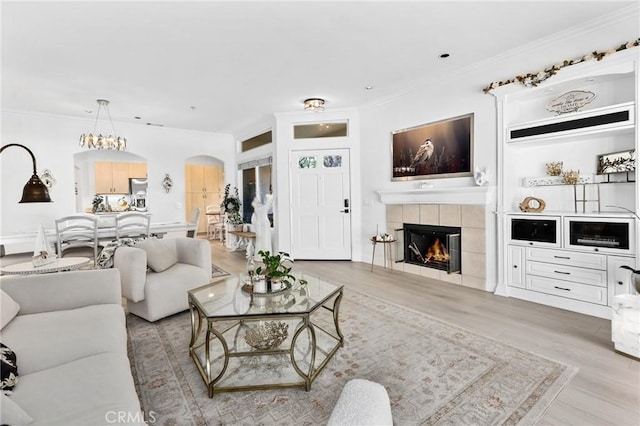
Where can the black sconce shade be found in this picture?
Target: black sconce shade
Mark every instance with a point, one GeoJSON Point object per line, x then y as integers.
{"type": "Point", "coordinates": [34, 191]}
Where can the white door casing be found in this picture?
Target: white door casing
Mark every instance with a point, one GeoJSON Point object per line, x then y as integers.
{"type": "Point", "coordinates": [320, 204]}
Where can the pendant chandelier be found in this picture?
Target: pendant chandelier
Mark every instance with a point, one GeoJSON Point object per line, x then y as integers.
{"type": "Point", "coordinates": [97, 141]}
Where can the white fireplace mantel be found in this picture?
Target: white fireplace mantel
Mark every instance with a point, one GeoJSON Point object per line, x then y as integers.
{"type": "Point", "coordinates": [476, 195]}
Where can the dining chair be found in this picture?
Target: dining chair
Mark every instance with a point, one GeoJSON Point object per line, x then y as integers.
{"type": "Point", "coordinates": [77, 235]}
{"type": "Point", "coordinates": [214, 223]}
{"type": "Point", "coordinates": [133, 225]}
{"type": "Point", "coordinates": [195, 219]}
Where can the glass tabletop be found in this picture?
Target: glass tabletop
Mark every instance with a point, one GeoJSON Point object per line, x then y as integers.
{"type": "Point", "coordinates": [226, 299]}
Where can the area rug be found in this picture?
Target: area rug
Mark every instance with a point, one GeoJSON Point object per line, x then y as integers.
{"type": "Point", "coordinates": [218, 272]}
{"type": "Point", "coordinates": [435, 373]}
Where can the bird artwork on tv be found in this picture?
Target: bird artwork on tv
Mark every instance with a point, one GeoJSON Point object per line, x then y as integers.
{"type": "Point", "coordinates": [437, 150]}
{"type": "Point", "coordinates": [424, 153]}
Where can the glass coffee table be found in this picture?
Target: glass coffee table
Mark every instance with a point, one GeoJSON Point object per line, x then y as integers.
{"type": "Point", "coordinates": [244, 341]}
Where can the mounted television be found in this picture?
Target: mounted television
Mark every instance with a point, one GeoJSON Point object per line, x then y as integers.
{"type": "Point", "coordinates": [441, 149]}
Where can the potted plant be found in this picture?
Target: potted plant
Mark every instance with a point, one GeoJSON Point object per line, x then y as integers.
{"type": "Point", "coordinates": [275, 269]}
{"type": "Point", "coordinates": [96, 203]}
{"type": "Point", "coordinates": [230, 203]}
{"type": "Point", "coordinates": [235, 221]}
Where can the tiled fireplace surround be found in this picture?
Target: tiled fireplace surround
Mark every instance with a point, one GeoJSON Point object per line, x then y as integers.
{"type": "Point", "coordinates": [472, 220]}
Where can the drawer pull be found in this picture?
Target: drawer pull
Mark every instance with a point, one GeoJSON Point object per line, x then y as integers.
{"type": "Point", "coordinates": [562, 257]}
{"type": "Point", "coordinates": [561, 272]}
{"type": "Point", "coordinates": [562, 288]}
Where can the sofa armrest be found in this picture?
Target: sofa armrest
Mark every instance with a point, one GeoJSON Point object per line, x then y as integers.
{"type": "Point", "coordinates": [132, 264]}
{"type": "Point", "coordinates": [63, 290]}
{"type": "Point", "coordinates": [194, 252]}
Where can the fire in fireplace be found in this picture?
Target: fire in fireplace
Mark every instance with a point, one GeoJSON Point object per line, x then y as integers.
{"type": "Point", "coordinates": [431, 246]}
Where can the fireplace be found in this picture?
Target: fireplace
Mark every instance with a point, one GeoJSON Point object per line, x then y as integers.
{"type": "Point", "coordinates": [431, 246]}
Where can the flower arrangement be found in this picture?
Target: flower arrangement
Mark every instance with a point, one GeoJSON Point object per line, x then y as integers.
{"type": "Point", "coordinates": [533, 79]}
{"type": "Point", "coordinates": [96, 203]}
{"type": "Point", "coordinates": [230, 203]}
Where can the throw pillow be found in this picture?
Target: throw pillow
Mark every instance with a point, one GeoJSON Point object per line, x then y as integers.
{"type": "Point", "coordinates": [11, 413]}
{"type": "Point", "coordinates": [9, 369]}
{"type": "Point", "coordinates": [160, 257]}
{"type": "Point", "coordinates": [9, 308]}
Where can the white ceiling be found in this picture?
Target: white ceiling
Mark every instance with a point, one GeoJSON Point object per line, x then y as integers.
{"type": "Point", "coordinates": [239, 62]}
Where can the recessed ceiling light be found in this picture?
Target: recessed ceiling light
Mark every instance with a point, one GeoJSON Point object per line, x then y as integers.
{"type": "Point", "coordinates": [444, 55]}
{"type": "Point", "coordinates": [137, 118]}
{"type": "Point", "coordinates": [368, 87]}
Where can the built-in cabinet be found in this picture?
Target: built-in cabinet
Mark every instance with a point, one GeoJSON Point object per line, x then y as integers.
{"type": "Point", "coordinates": [570, 273]}
{"type": "Point", "coordinates": [112, 177]}
{"type": "Point", "coordinates": [204, 187]}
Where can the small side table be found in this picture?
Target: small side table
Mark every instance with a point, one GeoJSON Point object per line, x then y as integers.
{"type": "Point", "coordinates": [386, 253]}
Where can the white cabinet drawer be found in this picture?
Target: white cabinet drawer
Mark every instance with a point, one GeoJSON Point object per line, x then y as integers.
{"type": "Point", "coordinates": [569, 258]}
{"type": "Point", "coordinates": [582, 292]}
{"type": "Point", "coordinates": [568, 273]}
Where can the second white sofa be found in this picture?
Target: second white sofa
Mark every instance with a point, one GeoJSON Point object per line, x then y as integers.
{"type": "Point", "coordinates": [157, 273]}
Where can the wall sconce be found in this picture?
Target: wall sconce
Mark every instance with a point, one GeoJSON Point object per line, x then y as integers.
{"type": "Point", "coordinates": [314, 104]}
{"type": "Point", "coordinates": [34, 191]}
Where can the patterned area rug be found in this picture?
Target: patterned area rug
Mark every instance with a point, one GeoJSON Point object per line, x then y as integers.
{"type": "Point", "coordinates": [435, 373]}
{"type": "Point", "coordinates": [218, 272]}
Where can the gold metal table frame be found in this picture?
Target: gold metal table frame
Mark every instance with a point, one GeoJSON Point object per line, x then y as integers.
{"type": "Point", "coordinates": [220, 314]}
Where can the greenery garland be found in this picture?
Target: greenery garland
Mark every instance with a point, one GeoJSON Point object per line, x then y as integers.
{"type": "Point", "coordinates": [532, 80]}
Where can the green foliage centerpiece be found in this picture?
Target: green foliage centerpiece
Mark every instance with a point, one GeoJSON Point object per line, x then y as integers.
{"type": "Point", "coordinates": [276, 270]}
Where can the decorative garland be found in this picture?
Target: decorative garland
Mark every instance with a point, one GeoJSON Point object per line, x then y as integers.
{"type": "Point", "coordinates": [532, 80]}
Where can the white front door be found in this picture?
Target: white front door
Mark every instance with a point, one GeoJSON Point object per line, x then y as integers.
{"type": "Point", "coordinates": [320, 204]}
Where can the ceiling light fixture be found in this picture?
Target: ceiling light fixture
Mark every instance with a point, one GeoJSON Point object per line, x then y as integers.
{"type": "Point", "coordinates": [103, 142]}
{"type": "Point", "coordinates": [314, 104]}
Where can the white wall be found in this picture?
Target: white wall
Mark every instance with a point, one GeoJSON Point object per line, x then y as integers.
{"type": "Point", "coordinates": [54, 141]}
{"type": "Point", "coordinates": [423, 106]}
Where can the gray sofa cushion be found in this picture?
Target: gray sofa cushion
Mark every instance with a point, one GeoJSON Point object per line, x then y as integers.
{"type": "Point", "coordinates": [160, 254]}
{"type": "Point", "coordinates": [40, 344]}
{"type": "Point", "coordinates": [88, 391]}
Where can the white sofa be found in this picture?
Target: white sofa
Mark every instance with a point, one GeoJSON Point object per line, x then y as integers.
{"type": "Point", "coordinates": [70, 340]}
{"type": "Point", "coordinates": [155, 295]}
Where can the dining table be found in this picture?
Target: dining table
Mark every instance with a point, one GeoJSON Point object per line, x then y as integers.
{"type": "Point", "coordinates": [107, 233]}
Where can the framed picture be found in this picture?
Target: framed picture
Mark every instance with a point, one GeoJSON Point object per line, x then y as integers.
{"type": "Point", "coordinates": [617, 162]}
{"type": "Point", "coordinates": [436, 150]}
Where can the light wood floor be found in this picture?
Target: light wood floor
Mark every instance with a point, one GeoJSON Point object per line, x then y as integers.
{"type": "Point", "coordinates": [606, 390]}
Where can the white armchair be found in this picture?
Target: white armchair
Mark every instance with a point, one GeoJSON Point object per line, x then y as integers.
{"type": "Point", "coordinates": [181, 264]}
